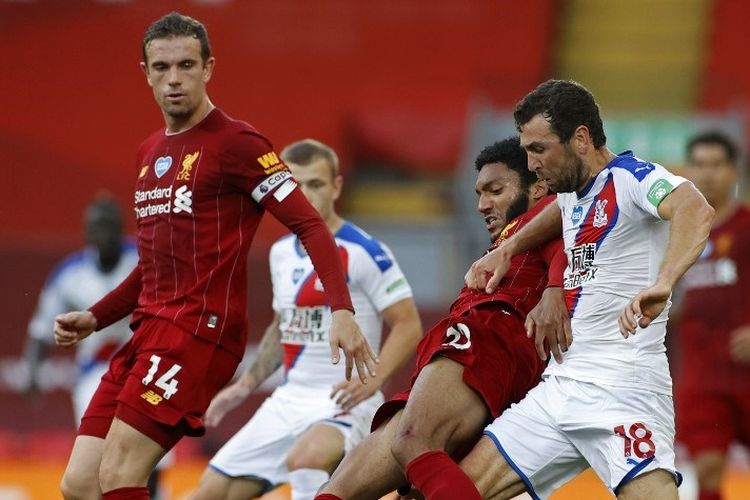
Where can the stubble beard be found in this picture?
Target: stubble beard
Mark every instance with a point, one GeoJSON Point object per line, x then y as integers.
{"type": "Point", "coordinates": [519, 206]}
{"type": "Point", "coordinates": [574, 176]}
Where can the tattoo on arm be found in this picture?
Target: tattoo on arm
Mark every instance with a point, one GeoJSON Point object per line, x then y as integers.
{"type": "Point", "coordinates": [270, 354]}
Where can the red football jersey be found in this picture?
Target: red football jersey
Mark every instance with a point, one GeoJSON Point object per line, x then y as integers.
{"type": "Point", "coordinates": [716, 303]}
{"type": "Point", "coordinates": [527, 277]}
{"type": "Point", "coordinates": [195, 224]}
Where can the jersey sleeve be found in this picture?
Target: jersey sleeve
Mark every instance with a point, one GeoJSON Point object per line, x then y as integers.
{"type": "Point", "coordinates": [252, 166]}
{"type": "Point", "coordinates": [649, 192]}
{"type": "Point", "coordinates": [381, 278]}
{"type": "Point", "coordinates": [119, 302]}
{"type": "Point", "coordinates": [51, 303]}
{"type": "Point", "coordinates": [553, 254]}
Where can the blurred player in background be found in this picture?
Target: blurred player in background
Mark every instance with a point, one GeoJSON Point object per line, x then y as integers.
{"type": "Point", "coordinates": [302, 431]}
{"type": "Point", "coordinates": [713, 391]}
{"type": "Point", "coordinates": [471, 365]}
{"type": "Point", "coordinates": [77, 282]}
{"type": "Point", "coordinates": [608, 404]}
{"type": "Point", "coordinates": [202, 187]}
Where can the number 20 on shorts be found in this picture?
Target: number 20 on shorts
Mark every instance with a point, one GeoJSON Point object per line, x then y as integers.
{"type": "Point", "coordinates": [166, 382]}
{"type": "Point", "coordinates": [637, 440]}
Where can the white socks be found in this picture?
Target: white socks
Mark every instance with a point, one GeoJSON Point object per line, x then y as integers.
{"type": "Point", "coordinates": [305, 482]}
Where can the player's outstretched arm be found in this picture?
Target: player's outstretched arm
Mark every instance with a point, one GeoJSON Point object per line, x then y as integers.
{"type": "Point", "coordinates": [269, 358]}
{"type": "Point", "coordinates": [690, 216]}
{"type": "Point", "coordinates": [72, 327]}
{"type": "Point", "coordinates": [405, 328]}
{"type": "Point", "coordinates": [486, 273]}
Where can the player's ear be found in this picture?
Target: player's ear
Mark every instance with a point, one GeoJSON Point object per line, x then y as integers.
{"type": "Point", "coordinates": [208, 68]}
{"type": "Point", "coordinates": [144, 68]}
{"type": "Point", "coordinates": [338, 184]}
{"type": "Point", "coordinates": [581, 140]}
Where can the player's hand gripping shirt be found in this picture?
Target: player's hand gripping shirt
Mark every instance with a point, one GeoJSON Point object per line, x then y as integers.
{"type": "Point", "coordinates": [615, 243]}
{"type": "Point", "coordinates": [75, 284]}
{"type": "Point", "coordinates": [375, 283]}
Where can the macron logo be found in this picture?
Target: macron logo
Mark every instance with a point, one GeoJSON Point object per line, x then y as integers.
{"type": "Point", "coordinates": [183, 200]}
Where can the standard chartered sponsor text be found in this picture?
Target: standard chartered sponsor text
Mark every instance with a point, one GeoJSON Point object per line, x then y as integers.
{"type": "Point", "coordinates": [151, 195]}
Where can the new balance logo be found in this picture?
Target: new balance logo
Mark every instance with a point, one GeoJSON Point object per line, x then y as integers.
{"type": "Point", "coordinates": [183, 200]}
{"type": "Point", "coordinates": [152, 397]}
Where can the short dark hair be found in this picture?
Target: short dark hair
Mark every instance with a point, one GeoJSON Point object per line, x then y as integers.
{"type": "Point", "coordinates": [307, 151]}
{"type": "Point", "coordinates": [566, 105]}
{"type": "Point", "coordinates": [510, 153]}
{"type": "Point", "coordinates": [174, 25]}
{"type": "Point", "coordinates": [714, 137]}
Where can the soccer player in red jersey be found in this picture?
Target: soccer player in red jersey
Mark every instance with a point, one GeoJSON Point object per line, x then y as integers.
{"type": "Point", "coordinates": [202, 186]}
{"type": "Point", "coordinates": [714, 326]}
{"type": "Point", "coordinates": [470, 366]}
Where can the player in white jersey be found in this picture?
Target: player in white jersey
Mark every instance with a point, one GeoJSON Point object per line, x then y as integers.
{"type": "Point", "coordinates": [608, 404]}
{"type": "Point", "coordinates": [78, 281]}
{"type": "Point", "coordinates": [301, 432]}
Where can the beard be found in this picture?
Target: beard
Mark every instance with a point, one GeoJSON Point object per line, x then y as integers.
{"type": "Point", "coordinates": [519, 205]}
{"type": "Point", "coordinates": [573, 175]}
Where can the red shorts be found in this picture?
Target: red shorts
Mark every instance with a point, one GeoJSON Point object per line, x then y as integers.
{"type": "Point", "coordinates": [160, 382]}
{"type": "Point", "coordinates": [500, 362]}
{"type": "Point", "coordinates": [711, 419]}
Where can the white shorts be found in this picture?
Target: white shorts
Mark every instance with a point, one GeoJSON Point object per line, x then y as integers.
{"type": "Point", "coordinates": [563, 426]}
{"type": "Point", "coordinates": [259, 450]}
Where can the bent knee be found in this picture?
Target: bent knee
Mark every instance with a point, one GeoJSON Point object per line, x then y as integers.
{"type": "Point", "coordinates": [77, 486]}
{"type": "Point", "coordinates": [404, 445]}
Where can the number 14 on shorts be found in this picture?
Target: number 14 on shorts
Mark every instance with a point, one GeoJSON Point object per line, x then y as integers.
{"type": "Point", "coordinates": [166, 382]}
{"type": "Point", "coordinates": [637, 440]}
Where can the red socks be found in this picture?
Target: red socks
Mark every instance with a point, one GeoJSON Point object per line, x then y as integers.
{"type": "Point", "coordinates": [128, 493]}
{"type": "Point", "coordinates": [709, 495]}
{"type": "Point", "coordinates": [440, 478]}
{"type": "Point", "coordinates": [327, 496]}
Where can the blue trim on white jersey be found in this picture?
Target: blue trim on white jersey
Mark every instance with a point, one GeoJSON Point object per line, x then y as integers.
{"type": "Point", "coordinates": [526, 480]}
{"type": "Point", "coordinates": [634, 472]}
{"type": "Point", "coordinates": [612, 224]}
{"type": "Point", "coordinates": [628, 162]}
{"type": "Point", "coordinates": [351, 233]}
{"type": "Point", "coordinates": [296, 358]}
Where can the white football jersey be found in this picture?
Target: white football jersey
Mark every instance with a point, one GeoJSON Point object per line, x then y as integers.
{"type": "Point", "coordinates": [615, 242]}
{"type": "Point", "coordinates": [76, 284]}
{"type": "Point", "coordinates": [375, 283]}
